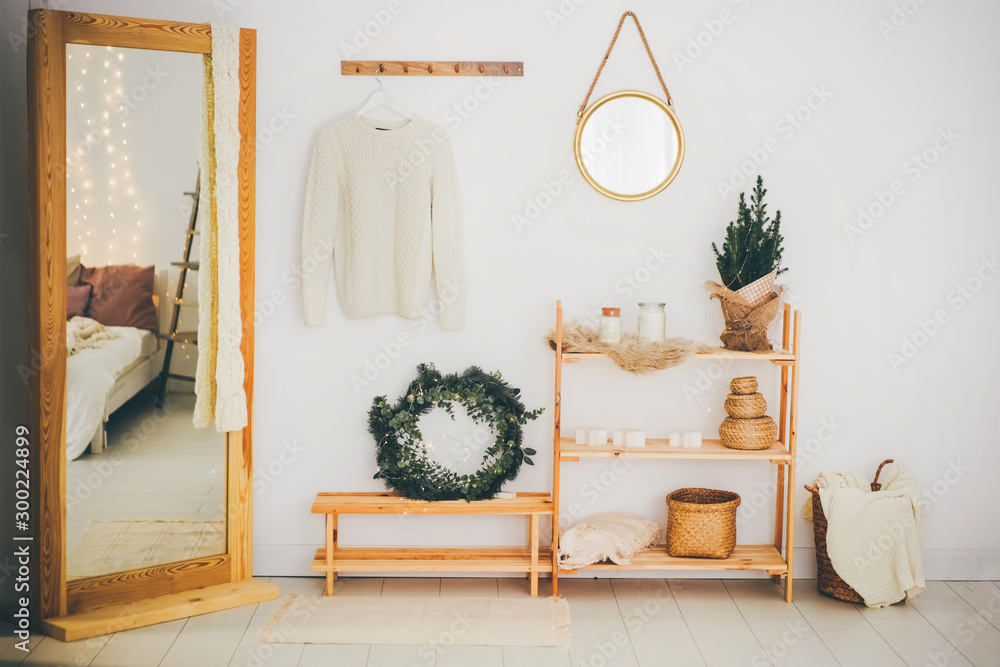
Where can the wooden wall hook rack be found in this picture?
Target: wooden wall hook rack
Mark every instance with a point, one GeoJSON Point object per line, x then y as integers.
{"type": "Point", "coordinates": [430, 68]}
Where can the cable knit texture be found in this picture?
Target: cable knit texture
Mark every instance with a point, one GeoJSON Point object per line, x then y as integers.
{"type": "Point", "coordinates": [382, 210]}
{"type": "Point", "coordinates": [219, 377]}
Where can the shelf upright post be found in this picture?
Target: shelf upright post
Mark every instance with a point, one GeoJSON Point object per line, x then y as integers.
{"type": "Point", "coordinates": [556, 445]}
{"type": "Point", "coordinates": [792, 437]}
{"type": "Point", "coordinates": [779, 503]}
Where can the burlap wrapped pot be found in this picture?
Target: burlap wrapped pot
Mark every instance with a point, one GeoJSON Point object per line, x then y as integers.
{"type": "Point", "coordinates": [746, 325]}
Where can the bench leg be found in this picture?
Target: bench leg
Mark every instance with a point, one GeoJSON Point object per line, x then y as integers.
{"type": "Point", "coordinates": [533, 544]}
{"type": "Point", "coordinates": [331, 545]}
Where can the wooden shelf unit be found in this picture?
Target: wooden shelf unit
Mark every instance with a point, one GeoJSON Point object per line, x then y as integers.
{"type": "Point", "coordinates": [781, 454]}
{"type": "Point", "coordinates": [333, 559]}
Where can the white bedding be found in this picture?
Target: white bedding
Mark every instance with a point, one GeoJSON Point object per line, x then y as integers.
{"type": "Point", "coordinates": [90, 377]}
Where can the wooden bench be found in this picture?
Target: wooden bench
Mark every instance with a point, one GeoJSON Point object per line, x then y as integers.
{"type": "Point", "coordinates": [333, 559]}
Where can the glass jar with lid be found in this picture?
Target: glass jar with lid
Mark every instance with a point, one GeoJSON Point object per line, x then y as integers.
{"type": "Point", "coordinates": [652, 322]}
{"type": "Point", "coordinates": [610, 328]}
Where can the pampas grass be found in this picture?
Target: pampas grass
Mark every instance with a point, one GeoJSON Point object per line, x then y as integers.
{"type": "Point", "coordinates": [630, 355]}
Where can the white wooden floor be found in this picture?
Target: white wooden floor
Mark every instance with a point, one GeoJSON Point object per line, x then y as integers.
{"type": "Point", "coordinates": [635, 622]}
{"type": "Point", "coordinates": [157, 465]}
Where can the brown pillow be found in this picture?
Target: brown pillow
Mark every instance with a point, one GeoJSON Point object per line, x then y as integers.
{"type": "Point", "coordinates": [122, 296]}
{"type": "Point", "coordinates": [77, 297]}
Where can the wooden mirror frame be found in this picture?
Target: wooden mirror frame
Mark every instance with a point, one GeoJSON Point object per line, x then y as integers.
{"type": "Point", "coordinates": [93, 606]}
{"type": "Point", "coordinates": [667, 109]}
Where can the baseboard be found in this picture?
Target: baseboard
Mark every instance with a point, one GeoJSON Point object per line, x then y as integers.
{"type": "Point", "coordinates": [295, 560]}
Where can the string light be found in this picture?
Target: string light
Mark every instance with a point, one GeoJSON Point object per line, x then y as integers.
{"type": "Point", "coordinates": [99, 95]}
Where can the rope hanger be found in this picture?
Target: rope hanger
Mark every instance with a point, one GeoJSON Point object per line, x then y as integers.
{"type": "Point", "coordinates": [670, 102]}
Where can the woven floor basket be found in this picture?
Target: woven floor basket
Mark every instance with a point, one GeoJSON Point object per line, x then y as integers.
{"type": "Point", "coordinates": [744, 385]}
{"type": "Point", "coordinates": [701, 523]}
{"type": "Point", "coordinates": [748, 433]}
{"type": "Point", "coordinates": [827, 579]}
{"type": "Point", "coordinates": [746, 406]}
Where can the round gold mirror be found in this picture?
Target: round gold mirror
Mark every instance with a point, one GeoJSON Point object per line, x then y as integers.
{"type": "Point", "coordinates": [629, 145]}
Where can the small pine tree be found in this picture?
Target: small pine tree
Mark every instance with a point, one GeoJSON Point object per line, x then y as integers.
{"type": "Point", "coordinates": [752, 248]}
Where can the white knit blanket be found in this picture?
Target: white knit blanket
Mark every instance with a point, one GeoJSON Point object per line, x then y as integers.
{"type": "Point", "coordinates": [83, 333]}
{"type": "Point", "coordinates": [873, 538]}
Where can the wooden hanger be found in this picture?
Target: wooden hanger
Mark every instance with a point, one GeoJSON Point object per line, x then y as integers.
{"type": "Point", "coordinates": [382, 98]}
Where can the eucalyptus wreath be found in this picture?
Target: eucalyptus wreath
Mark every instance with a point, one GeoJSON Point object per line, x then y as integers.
{"type": "Point", "coordinates": [401, 453]}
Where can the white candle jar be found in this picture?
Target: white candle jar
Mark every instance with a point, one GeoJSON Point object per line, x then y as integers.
{"type": "Point", "coordinates": [652, 322]}
{"type": "Point", "coordinates": [610, 328]}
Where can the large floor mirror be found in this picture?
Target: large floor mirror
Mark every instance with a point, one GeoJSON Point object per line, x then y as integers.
{"type": "Point", "coordinates": [134, 504]}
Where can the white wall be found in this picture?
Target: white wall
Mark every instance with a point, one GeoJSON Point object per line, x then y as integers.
{"type": "Point", "coordinates": [884, 99]}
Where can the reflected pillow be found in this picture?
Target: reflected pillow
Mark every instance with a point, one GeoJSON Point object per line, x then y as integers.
{"type": "Point", "coordinates": [122, 296]}
{"type": "Point", "coordinates": [77, 298]}
{"type": "Point", "coordinates": [73, 270]}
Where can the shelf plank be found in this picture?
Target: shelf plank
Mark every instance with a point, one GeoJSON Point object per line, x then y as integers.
{"type": "Point", "coordinates": [712, 353]}
{"type": "Point", "coordinates": [657, 448]}
{"type": "Point", "coordinates": [390, 503]}
{"type": "Point", "coordinates": [432, 559]}
{"type": "Point", "coordinates": [744, 557]}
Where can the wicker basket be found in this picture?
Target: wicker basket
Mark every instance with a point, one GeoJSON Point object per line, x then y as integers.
{"type": "Point", "coordinates": [746, 406]}
{"type": "Point", "coordinates": [827, 579]}
{"type": "Point", "coordinates": [701, 523]}
{"type": "Point", "coordinates": [743, 385]}
{"type": "Point", "coordinates": [748, 433]}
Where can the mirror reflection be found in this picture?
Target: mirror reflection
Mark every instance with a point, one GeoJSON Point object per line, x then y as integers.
{"type": "Point", "coordinates": [629, 145]}
{"type": "Point", "coordinates": [144, 487]}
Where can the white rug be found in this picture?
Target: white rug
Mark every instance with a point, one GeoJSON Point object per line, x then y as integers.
{"type": "Point", "coordinates": [116, 546]}
{"type": "Point", "coordinates": [473, 621]}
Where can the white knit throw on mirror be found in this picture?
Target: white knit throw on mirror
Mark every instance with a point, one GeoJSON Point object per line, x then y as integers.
{"type": "Point", "coordinates": [226, 332]}
{"type": "Point", "coordinates": [382, 210]}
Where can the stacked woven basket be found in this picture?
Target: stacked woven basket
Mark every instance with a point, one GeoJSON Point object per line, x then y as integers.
{"type": "Point", "coordinates": [747, 426]}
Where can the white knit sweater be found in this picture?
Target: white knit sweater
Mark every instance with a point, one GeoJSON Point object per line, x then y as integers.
{"type": "Point", "coordinates": [382, 207]}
